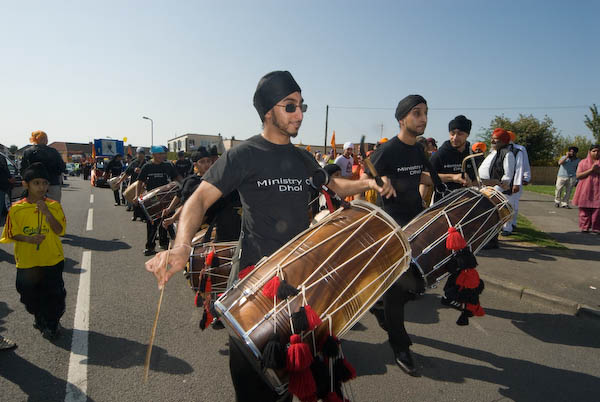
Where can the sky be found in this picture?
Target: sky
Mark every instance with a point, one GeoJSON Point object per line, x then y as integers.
{"type": "Point", "coordinates": [81, 70]}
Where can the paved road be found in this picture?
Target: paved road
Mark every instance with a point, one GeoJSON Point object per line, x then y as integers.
{"type": "Point", "coordinates": [518, 351]}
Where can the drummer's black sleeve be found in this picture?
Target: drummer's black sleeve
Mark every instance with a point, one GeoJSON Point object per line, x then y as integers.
{"type": "Point", "coordinates": [143, 174]}
{"type": "Point", "coordinates": [230, 170]}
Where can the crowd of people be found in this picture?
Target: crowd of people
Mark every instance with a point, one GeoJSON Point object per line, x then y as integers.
{"type": "Point", "coordinates": [258, 194]}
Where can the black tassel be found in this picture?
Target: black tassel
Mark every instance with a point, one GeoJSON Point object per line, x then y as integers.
{"type": "Point", "coordinates": [480, 288]}
{"type": "Point", "coordinates": [452, 266]}
{"type": "Point", "coordinates": [330, 347]}
{"type": "Point", "coordinates": [299, 321]}
{"type": "Point", "coordinates": [273, 353]}
{"type": "Point", "coordinates": [465, 259]}
{"type": "Point", "coordinates": [203, 320]}
{"type": "Point", "coordinates": [320, 373]}
{"type": "Point", "coordinates": [341, 372]}
{"type": "Point", "coordinates": [215, 261]}
{"type": "Point", "coordinates": [464, 318]}
{"type": "Point", "coordinates": [286, 290]}
{"type": "Point", "coordinates": [202, 286]}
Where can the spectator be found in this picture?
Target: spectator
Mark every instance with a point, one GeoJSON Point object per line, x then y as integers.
{"type": "Point", "coordinates": [114, 169]}
{"type": "Point", "coordinates": [5, 185]}
{"type": "Point", "coordinates": [50, 158]}
{"type": "Point", "coordinates": [566, 178]}
{"type": "Point", "coordinates": [183, 165]}
{"type": "Point", "coordinates": [345, 160]}
{"type": "Point", "coordinates": [431, 146]}
{"type": "Point", "coordinates": [587, 194]}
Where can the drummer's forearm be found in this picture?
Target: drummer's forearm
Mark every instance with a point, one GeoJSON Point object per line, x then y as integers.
{"type": "Point", "coordinates": [449, 177]}
{"type": "Point", "coordinates": [346, 187]}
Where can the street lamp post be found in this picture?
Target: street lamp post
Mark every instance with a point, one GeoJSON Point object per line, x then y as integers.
{"type": "Point", "coordinates": [151, 129]}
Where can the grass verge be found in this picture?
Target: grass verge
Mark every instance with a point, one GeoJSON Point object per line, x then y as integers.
{"type": "Point", "coordinates": [544, 189]}
{"type": "Point", "coordinates": [527, 233]}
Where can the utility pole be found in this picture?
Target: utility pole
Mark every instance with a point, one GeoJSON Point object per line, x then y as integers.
{"type": "Point", "coordinates": [381, 134]}
{"type": "Point", "coordinates": [326, 121]}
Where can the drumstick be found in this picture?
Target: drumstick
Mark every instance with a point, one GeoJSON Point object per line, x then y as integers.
{"type": "Point", "coordinates": [151, 342]}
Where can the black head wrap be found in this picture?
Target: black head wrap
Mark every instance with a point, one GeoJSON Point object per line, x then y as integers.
{"type": "Point", "coordinates": [574, 149]}
{"type": "Point", "coordinates": [331, 168]}
{"type": "Point", "coordinates": [272, 88]}
{"type": "Point", "coordinates": [199, 154]}
{"type": "Point", "coordinates": [35, 171]}
{"type": "Point", "coordinates": [460, 122]}
{"type": "Point", "coordinates": [406, 104]}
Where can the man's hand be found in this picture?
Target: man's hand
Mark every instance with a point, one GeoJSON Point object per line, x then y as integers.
{"type": "Point", "coordinates": [515, 189]}
{"type": "Point", "coordinates": [137, 170]}
{"type": "Point", "coordinates": [177, 258]}
{"type": "Point", "coordinates": [167, 222]}
{"type": "Point", "coordinates": [596, 168]}
{"type": "Point", "coordinates": [387, 190]}
{"type": "Point", "coordinates": [465, 181]}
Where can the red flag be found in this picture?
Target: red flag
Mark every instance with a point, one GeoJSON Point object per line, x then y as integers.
{"type": "Point", "coordinates": [333, 143]}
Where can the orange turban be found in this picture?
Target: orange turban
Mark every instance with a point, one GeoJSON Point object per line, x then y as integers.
{"type": "Point", "coordinates": [38, 136]}
{"type": "Point", "coordinates": [513, 136]}
{"type": "Point", "coordinates": [479, 147]}
{"type": "Point", "coordinates": [502, 135]}
{"type": "Point", "coordinates": [381, 141]}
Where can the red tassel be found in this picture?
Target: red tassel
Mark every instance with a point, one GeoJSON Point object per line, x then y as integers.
{"type": "Point", "coordinates": [468, 278]}
{"type": "Point", "coordinates": [333, 397]}
{"type": "Point", "coordinates": [299, 356]}
{"type": "Point", "coordinates": [196, 299]}
{"type": "Point", "coordinates": [302, 384]}
{"type": "Point", "coordinates": [270, 288]}
{"type": "Point", "coordinates": [476, 309]}
{"type": "Point", "coordinates": [455, 241]}
{"type": "Point", "coordinates": [208, 287]}
{"type": "Point", "coordinates": [350, 368]}
{"type": "Point", "coordinates": [313, 319]}
{"type": "Point", "coordinates": [244, 272]}
{"type": "Point", "coordinates": [209, 259]}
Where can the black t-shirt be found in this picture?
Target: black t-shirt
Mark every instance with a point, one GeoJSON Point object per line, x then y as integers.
{"type": "Point", "coordinates": [156, 175]}
{"type": "Point", "coordinates": [403, 165]}
{"type": "Point", "coordinates": [47, 156]}
{"type": "Point", "coordinates": [188, 186]}
{"type": "Point", "coordinates": [114, 167]}
{"type": "Point", "coordinates": [448, 160]}
{"type": "Point", "coordinates": [131, 169]}
{"type": "Point", "coordinates": [272, 182]}
{"type": "Point", "coordinates": [184, 167]}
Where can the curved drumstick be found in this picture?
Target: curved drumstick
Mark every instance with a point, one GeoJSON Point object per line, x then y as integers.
{"type": "Point", "coordinates": [475, 168]}
{"type": "Point", "coordinates": [369, 164]}
{"type": "Point", "coordinates": [153, 333]}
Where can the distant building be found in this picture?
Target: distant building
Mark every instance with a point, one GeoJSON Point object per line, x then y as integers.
{"type": "Point", "coordinates": [70, 151]}
{"type": "Point", "coordinates": [191, 142]}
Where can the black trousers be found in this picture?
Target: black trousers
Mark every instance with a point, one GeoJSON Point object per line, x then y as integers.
{"type": "Point", "coordinates": [117, 197]}
{"type": "Point", "coordinates": [248, 383]}
{"type": "Point", "coordinates": [151, 229]}
{"type": "Point", "coordinates": [43, 293]}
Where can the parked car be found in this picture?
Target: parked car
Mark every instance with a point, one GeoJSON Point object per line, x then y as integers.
{"type": "Point", "coordinates": [73, 169]}
{"type": "Point", "coordinates": [17, 187]}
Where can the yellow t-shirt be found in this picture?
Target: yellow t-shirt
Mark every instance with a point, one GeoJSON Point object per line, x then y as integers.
{"type": "Point", "coordinates": [24, 218]}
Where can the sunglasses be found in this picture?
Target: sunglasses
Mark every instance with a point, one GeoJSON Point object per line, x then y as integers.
{"type": "Point", "coordinates": [291, 107]}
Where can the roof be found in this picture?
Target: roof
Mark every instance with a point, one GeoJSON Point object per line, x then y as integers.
{"type": "Point", "coordinates": [211, 136]}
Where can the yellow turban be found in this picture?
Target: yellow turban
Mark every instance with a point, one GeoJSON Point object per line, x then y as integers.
{"type": "Point", "coordinates": [38, 136]}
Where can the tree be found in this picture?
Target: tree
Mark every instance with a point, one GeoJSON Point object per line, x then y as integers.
{"type": "Point", "coordinates": [581, 142]}
{"type": "Point", "coordinates": [593, 123]}
{"type": "Point", "coordinates": [540, 137]}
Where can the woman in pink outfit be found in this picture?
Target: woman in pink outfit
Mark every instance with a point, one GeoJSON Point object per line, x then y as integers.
{"type": "Point", "coordinates": [587, 194]}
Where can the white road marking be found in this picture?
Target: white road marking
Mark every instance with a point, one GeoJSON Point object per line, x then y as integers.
{"type": "Point", "coordinates": [91, 198]}
{"type": "Point", "coordinates": [77, 377]}
{"type": "Point", "coordinates": [90, 220]}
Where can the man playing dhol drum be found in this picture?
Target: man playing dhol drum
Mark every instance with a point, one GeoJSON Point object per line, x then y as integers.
{"type": "Point", "coordinates": [403, 161]}
{"type": "Point", "coordinates": [271, 175]}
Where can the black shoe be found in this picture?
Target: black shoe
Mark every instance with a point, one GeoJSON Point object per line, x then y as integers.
{"type": "Point", "coordinates": [164, 246]}
{"type": "Point", "coordinates": [405, 361]}
{"type": "Point", "coordinates": [133, 218]}
{"type": "Point", "coordinates": [117, 204]}
{"type": "Point", "coordinates": [128, 209]}
{"type": "Point", "coordinates": [39, 324]}
{"type": "Point", "coordinates": [217, 324]}
{"type": "Point", "coordinates": [492, 244]}
{"type": "Point", "coordinates": [149, 251]}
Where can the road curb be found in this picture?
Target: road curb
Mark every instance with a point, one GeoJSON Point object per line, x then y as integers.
{"type": "Point", "coordinates": [531, 295]}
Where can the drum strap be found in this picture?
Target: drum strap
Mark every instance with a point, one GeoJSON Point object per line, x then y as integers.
{"type": "Point", "coordinates": [438, 184]}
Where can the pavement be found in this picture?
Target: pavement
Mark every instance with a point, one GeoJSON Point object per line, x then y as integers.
{"type": "Point", "coordinates": [568, 280]}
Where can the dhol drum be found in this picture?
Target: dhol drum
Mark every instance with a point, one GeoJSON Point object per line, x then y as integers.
{"type": "Point", "coordinates": [154, 201]}
{"type": "Point", "coordinates": [477, 213]}
{"type": "Point", "coordinates": [218, 271]}
{"type": "Point", "coordinates": [340, 267]}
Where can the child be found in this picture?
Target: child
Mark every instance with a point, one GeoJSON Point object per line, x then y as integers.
{"type": "Point", "coordinates": [35, 224]}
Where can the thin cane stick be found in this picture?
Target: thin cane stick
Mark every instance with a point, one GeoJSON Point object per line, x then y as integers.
{"type": "Point", "coordinates": [153, 333]}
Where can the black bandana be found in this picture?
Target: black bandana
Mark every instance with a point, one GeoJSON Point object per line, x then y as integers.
{"type": "Point", "coordinates": [460, 122]}
{"type": "Point", "coordinates": [272, 88]}
{"type": "Point", "coordinates": [406, 104]}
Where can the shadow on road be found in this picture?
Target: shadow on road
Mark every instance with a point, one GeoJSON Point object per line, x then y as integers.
{"type": "Point", "coordinates": [515, 252]}
{"type": "Point", "coordinates": [121, 353]}
{"type": "Point", "coordinates": [95, 244]}
{"type": "Point", "coordinates": [519, 380]}
{"type": "Point", "coordinates": [4, 311]}
{"type": "Point", "coordinates": [560, 329]}
{"type": "Point", "coordinates": [6, 256]}
{"type": "Point", "coordinates": [586, 239]}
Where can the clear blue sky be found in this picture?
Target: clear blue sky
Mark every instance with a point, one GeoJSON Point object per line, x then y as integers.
{"type": "Point", "coordinates": [84, 70]}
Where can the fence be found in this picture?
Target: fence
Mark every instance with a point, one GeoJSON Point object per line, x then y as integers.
{"type": "Point", "coordinates": [544, 174]}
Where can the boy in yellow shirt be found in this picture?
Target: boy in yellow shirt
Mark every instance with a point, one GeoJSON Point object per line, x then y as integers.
{"type": "Point", "coordinates": [34, 224]}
